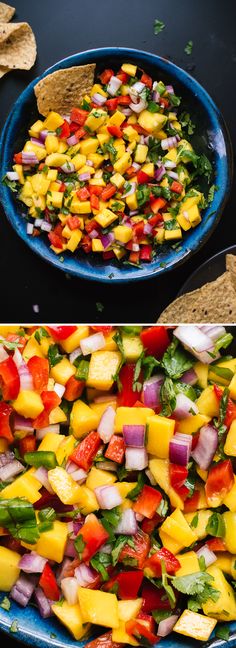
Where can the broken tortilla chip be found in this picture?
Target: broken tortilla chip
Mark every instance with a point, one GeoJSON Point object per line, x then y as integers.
{"type": "Point", "coordinates": [231, 267]}
{"type": "Point", "coordinates": [213, 302]}
{"type": "Point", "coordinates": [17, 46]}
{"type": "Point", "coordinates": [63, 89]}
{"type": "Point", "coordinates": [3, 70]}
{"type": "Point", "coordinates": [6, 12]}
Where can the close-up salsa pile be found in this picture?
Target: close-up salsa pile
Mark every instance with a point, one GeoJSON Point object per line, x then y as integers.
{"type": "Point", "coordinates": [118, 484]}
{"type": "Point", "coordinates": [117, 175]}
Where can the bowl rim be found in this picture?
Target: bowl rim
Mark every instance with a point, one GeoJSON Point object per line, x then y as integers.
{"type": "Point", "coordinates": [117, 273]}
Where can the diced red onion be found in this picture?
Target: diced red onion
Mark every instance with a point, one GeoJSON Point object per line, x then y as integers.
{"type": "Point", "coordinates": [90, 163]}
{"type": "Point", "coordinates": [147, 229]}
{"type": "Point", "coordinates": [166, 626]}
{"type": "Point", "coordinates": [150, 477]}
{"type": "Point", "coordinates": [72, 140]}
{"type": "Point", "coordinates": [208, 555]}
{"type": "Point", "coordinates": [137, 108]}
{"type": "Point", "coordinates": [107, 239]}
{"type": "Point", "coordinates": [108, 465]}
{"type": "Point", "coordinates": [169, 164]}
{"type": "Point", "coordinates": [79, 475]}
{"type": "Point", "coordinates": [133, 212]}
{"type": "Point", "coordinates": [54, 428]}
{"type": "Point", "coordinates": [12, 175]}
{"type": "Point", "coordinates": [75, 354]}
{"type": "Point", "coordinates": [189, 377]}
{"type": "Point", "coordinates": [136, 458]}
{"type": "Point", "coordinates": [94, 234]}
{"type": "Point", "coordinates": [179, 452]}
{"type": "Point", "coordinates": [68, 167]}
{"type": "Point", "coordinates": [29, 158]}
{"type": "Point", "coordinates": [43, 603]}
{"type": "Point", "coordinates": [29, 228]}
{"type": "Point", "coordinates": [106, 426]}
{"type": "Point", "coordinates": [42, 475]}
{"type": "Point", "coordinates": [136, 166]}
{"type": "Point", "coordinates": [134, 435]}
{"type": "Point", "coordinates": [146, 139]}
{"type": "Point", "coordinates": [184, 407]}
{"type": "Point", "coordinates": [99, 99]}
{"type": "Point", "coordinates": [214, 332]}
{"type": "Point", "coordinates": [127, 524]}
{"type": "Point", "coordinates": [43, 134]}
{"type": "Point", "coordinates": [12, 469]}
{"type": "Point", "coordinates": [6, 458]}
{"type": "Point", "coordinates": [26, 380]}
{"type": "Point", "coordinates": [151, 391]}
{"type": "Point", "coordinates": [92, 343]}
{"type": "Point", "coordinates": [84, 176]}
{"type": "Point", "coordinates": [70, 550]}
{"type": "Point", "coordinates": [170, 89]}
{"type": "Point", "coordinates": [46, 227]}
{"type": "Point", "coordinates": [206, 447]}
{"type": "Point", "coordinates": [156, 96]}
{"type": "Point", "coordinates": [69, 587]}
{"type": "Point", "coordinates": [197, 342]}
{"type": "Point", "coordinates": [159, 173]}
{"type": "Point", "coordinates": [36, 141]}
{"type": "Point", "coordinates": [3, 353]}
{"type": "Point", "coordinates": [173, 175]}
{"type": "Point", "coordinates": [131, 190]}
{"type": "Point", "coordinates": [135, 247]}
{"type": "Point", "coordinates": [24, 424]}
{"type": "Point", "coordinates": [169, 143]}
{"type": "Point", "coordinates": [108, 496]}
{"type": "Point", "coordinates": [187, 438]}
{"type": "Point", "coordinates": [138, 86]}
{"type": "Point", "coordinates": [71, 467]}
{"type": "Point", "coordinates": [32, 563]}
{"type": "Point", "coordinates": [126, 111]}
{"type": "Point", "coordinates": [113, 85]}
{"type": "Point", "coordinates": [84, 575]}
{"type": "Point", "coordinates": [106, 548]}
{"type": "Point", "coordinates": [62, 569]}
{"type": "Point", "coordinates": [23, 589]}
{"type": "Point", "coordinates": [38, 222]}
{"type": "Point", "coordinates": [59, 389]}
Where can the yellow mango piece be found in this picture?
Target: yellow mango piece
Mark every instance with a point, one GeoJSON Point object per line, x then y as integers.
{"type": "Point", "coordinates": [193, 423]}
{"type": "Point", "coordinates": [100, 608]}
{"type": "Point", "coordinates": [131, 416]}
{"type": "Point", "coordinates": [141, 153]}
{"type": "Point", "coordinates": [28, 404]}
{"type": "Point", "coordinates": [123, 233]}
{"type": "Point", "coordinates": [116, 119]}
{"type": "Point", "coordinates": [31, 349]}
{"type": "Point", "coordinates": [202, 374]}
{"type": "Point", "coordinates": [63, 485]}
{"type": "Point", "coordinates": [51, 442]}
{"type": "Point", "coordinates": [9, 570]}
{"type": "Point", "coordinates": [124, 488]}
{"type": "Point", "coordinates": [65, 449]}
{"type": "Point", "coordinates": [62, 371]}
{"type": "Point", "coordinates": [51, 544]}
{"type": "Point", "coordinates": [53, 121]}
{"type": "Point", "coordinates": [96, 118]}
{"type": "Point", "coordinates": [74, 240]}
{"type": "Point", "coordinates": [55, 198]}
{"type": "Point", "coordinates": [202, 520]}
{"type": "Point", "coordinates": [70, 616]}
{"type": "Point", "coordinates": [173, 234]}
{"type": "Point", "coordinates": [230, 531]}
{"type": "Point", "coordinates": [230, 443]}
{"type": "Point", "coordinates": [89, 145]}
{"type": "Point", "coordinates": [117, 179]}
{"type": "Point", "coordinates": [189, 563]}
{"type": "Point", "coordinates": [122, 163]}
{"type": "Point", "coordinates": [39, 151]}
{"type": "Point", "coordinates": [176, 526]}
{"type": "Point", "coordinates": [129, 609]}
{"type": "Point", "coordinates": [73, 341]}
{"type": "Point", "coordinates": [36, 128]}
{"type": "Point", "coordinates": [97, 477]}
{"type": "Point", "coordinates": [224, 562]}
{"type": "Point", "coordinates": [97, 245]}
{"type": "Point", "coordinates": [102, 368]}
{"type": "Point", "coordinates": [194, 216]}
{"type": "Point", "coordinates": [132, 202]}
{"type": "Point", "coordinates": [100, 408]}
{"type": "Point", "coordinates": [3, 445]}
{"type": "Point", "coordinates": [227, 364]}
{"type": "Point", "coordinates": [132, 346]}
{"type": "Point", "coordinates": [82, 419]}
{"type": "Point", "coordinates": [106, 217]}
{"type": "Point", "coordinates": [230, 499]}
{"type": "Point", "coordinates": [57, 416]}
{"type": "Point", "coordinates": [183, 222]}
{"type": "Point", "coordinates": [40, 183]}
{"type": "Point", "coordinates": [22, 487]}
{"type": "Point", "coordinates": [51, 144]}
{"type": "Point", "coordinates": [151, 122]}
{"type": "Point", "coordinates": [129, 68]}
{"type": "Point", "coordinates": [169, 543]}
{"type": "Point", "coordinates": [194, 625]}
{"type": "Point", "coordinates": [120, 635]}
{"type": "Point", "coordinates": [224, 609]}
{"type": "Point", "coordinates": [160, 433]}
{"type": "Point", "coordinates": [87, 501]}
{"type": "Point", "coordinates": [57, 159]}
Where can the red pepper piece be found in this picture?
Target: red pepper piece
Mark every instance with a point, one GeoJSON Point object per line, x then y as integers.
{"type": "Point", "coordinates": [49, 584]}
{"type": "Point", "coordinates": [74, 389]}
{"type": "Point", "coordinates": [9, 379]}
{"type": "Point", "coordinates": [5, 429]}
{"type": "Point", "coordinates": [155, 340]}
{"type": "Point", "coordinates": [148, 502]}
{"type": "Point", "coordinates": [39, 369]}
{"type": "Point", "coordinates": [116, 449]}
{"type": "Point", "coordinates": [86, 450]}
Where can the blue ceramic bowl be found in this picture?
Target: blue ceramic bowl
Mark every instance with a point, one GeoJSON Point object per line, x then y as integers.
{"type": "Point", "coordinates": [211, 137]}
{"type": "Point", "coordinates": [49, 633]}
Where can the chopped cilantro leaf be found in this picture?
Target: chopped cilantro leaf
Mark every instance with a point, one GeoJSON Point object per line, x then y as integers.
{"type": "Point", "coordinates": [158, 26]}
{"type": "Point", "coordinates": [188, 48]}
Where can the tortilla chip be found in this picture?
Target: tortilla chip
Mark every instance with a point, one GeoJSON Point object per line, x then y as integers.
{"type": "Point", "coordinates": [231, 267]}
{"type": "Point", "coordinates": [6, 12]}
{"type": "Point", "coordinates": [3, 70]}
{"type": "Point", "coordinates": [17, 46]}
{"type": "Point", "coordinates": [214, 302]}
{"type": "Point", "coordinates": [63, 89]}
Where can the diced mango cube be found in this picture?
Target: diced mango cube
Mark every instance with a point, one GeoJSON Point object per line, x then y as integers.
{"type": "Point", "coordinates": [189, 563]}
{"type": "Point", "coordinates": [97, 477]}
{"type": "Point", "coordinates": [53, 121]}
{"type": "Point", "coordinates": [141, 153]}
{"type": "Point", "coordinates": [98, 607]}
{"type": "Point", "coordinates": [102, 369]}
{"type": "Point", "coordinates": [62, 371]}
{"type": "Point", "coordinates": [129, 69]}
{"type": "Point", "coordinates": [123, 233]}
{"type": "Point", "coordinates": [95, 119]}
{"type": "Point", "coordinates": [9, 570]}
{"type": "Point", "coordinates": [194, 625]}
{"type": "Point", "coordinates": [224, 608]}
{"type": "Point", "coordinates": [152, 122]}
{"type": "Point", "coordinates": [160, 433]}
{"type": "Point", "coordinates": [83, 419]}
{"type": "Point", "coordinates": [28, 404]}
{"type": "Point", "coordinates": [123, 163]}
{"type": "Point", "coordinates": [176, 526]}
{"type": "Point", "coordinates": [117, 179]}
{"type": "Point", "coordinates": [51, 144]}
{"type": "Point", "coordinates": [52, 543]}
{"type": "Point", "coordinates": [70, 616]}
{"type": "Point", "coordinates": [106, 217]}
{"type": "Point", "coordinates": [131, 416]}
{"type": "Point", "coordinates": [64, 485]}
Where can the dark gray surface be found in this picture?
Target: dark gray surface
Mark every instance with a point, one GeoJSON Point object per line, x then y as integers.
{"type": "Point", "coordinates": [62, 28]}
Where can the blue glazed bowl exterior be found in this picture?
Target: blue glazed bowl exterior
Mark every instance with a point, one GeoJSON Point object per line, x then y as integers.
{"type": "Point", "coordinates": [211, 138]}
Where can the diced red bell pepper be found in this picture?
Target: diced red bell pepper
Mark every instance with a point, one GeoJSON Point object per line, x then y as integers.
{"type": "Point", "coordinates": [154, 599]}
{"type": "Point", "coordinates": [164, 103]}
{"type": "Point", "coordinates": [178, 475]}
{"type": "Point", "coordinates": [145, 78]}
{"type": "Point", "coordinates": [28, 444]}
{"type": "Point", "coordinates": [231, 407]}
{"type": "Point", "coordinates": [148, 526]}
{"type": "Point", "coordinates": [86, 244]}
{"type": "Point", "coordinates": [142, 177]}
{"type": "Point", "coordinates": [155, 219]}
{"type": "Point", "coordinates": [191, 503]}
{"type": "Point", "coordinates": [115, 131]}
{"type": "Point", "coordinates": [73, 127]}
{"type": "Point", "coordinates": [5, 429]}
{"type": "Point", "coordinates": [147, 620]}
{"type": "Point", "coordinates": [94, 536]}
{"type": "Point", "coordinates": [108, 192]}
{"type": "Point", "coordinates": [20, 339]}
{"type": "Point", "coordinates": [130, 172]}
{"type": "Point", "coordinates": [79, 116]}
{"type": "Point", "coordinates": [220, 479]}
{"type": "Point", "coordinates": [83, 194]}
{"type": "Point", "coordinates": [116, 449]}
{"type": "Point", "coordinates": [64, 130]}
{"type": "Point", "coordinates": [146, 253]}
{"type": "Point", "coordinates": [74, 388]}
{"type": "Point", "coordinates": [73, 222]}
{"type": "Point", "coordinates": [124, 100]}
{"type": "Point", "coordinates": [123, 76]}
{"type": "Point", "coordinates": [61, 332]}
{"type": "Point", "coordinates": [138, 229]}
{"type": "Point", "coordinates": [106, 75]}
{"type": "Point", "coordinates": [182, 491]}
{"type": "Point", "coordinates": [137, 629]}
{"type": "Point", "coordinates": [55, 240]}
{"type": "Point", "coordinates": [109, 254]}
{"type": "Point", "coordinates": [39, 369]}
{"type": "Point", "coordinates": [134, 257]}
{"type": "Point", "coordinates": [86, 450]}
{"type": "Point", "coordinates": [9, 379]}
{"type": "Point", "coordinates": [154, 562]}
{"type": "Point", "coordinates": [80, 133]}
{"type": "Point", "coordinates": [216, 544]}
{"type": "Point", "coordinates": [177, 187]}
{"type": "Point", "coordinates": [147, 502]}
{"type": "Point", "coordinates": [95, 189]}
{"type": "Point", "coordinates": [62, 187]}
{"type": "Point", "coordinates": [111, 104]}
{"type": "Point", "coordinates": [102, 329]}
{"type": "Point", "coordinates": [104, 641]}
{"type": "Point", "coordinates": [127, 396]}
{"type": "Point", "coordinates": [91, 225]}
{"type": "Point", "coordinates": [157, 204]}
{"type": "Point", "coordinates": [128, 584]}
{"type": "Point", "coordinates": [94, 202]}
{"type": "Point", "coordinates": [139, 404]}
{"type": "Point", "coordinates": [17, 158]}
{"type": "Point", "coordinates": [49, 584]}
{"type": "Point", "coordinates": [50, 401]}
{"type": "Point", "coordinates": [139, 552]}
{"type": "Point", "coordinates": [155, 340]}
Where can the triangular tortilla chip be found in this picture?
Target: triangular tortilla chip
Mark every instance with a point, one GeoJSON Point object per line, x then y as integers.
{"type": "Point", "coordinates": [6, 12]}
{"type": "Point", "coordinates": [214, 302]}
{"type": "Point", "coordinates": [231, 267]}
{"type": "Point", "coordinates": [17, 46]}
{"type": "Point", "coordinates": [63, 89]}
